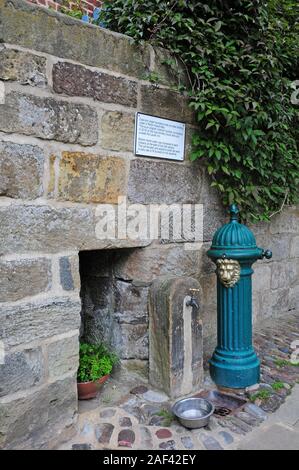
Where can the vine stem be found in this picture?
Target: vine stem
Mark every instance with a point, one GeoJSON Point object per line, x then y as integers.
{"type": "Point", "coordinates": [282, 205]}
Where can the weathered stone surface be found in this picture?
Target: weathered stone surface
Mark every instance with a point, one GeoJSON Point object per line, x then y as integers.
{"type": "Point", "coordinates": [81, 447]}
{"type": "Point", "coordinates": [255, 411]}
{"type": "Point", "coordinates": [49, 119]}
{"type": "Point", "coordinates": [146, 264]}
{"type": "Point", "coordinates": [91, 178]}
{"type": "Point", "coordinates": [153, 182]}
{"type": "Point", "coordinates": [22, 324]}
{"type": "Point", "coordinates": [294, 253]}
{"type": "Point", "coordinates": [274, 302]}
{"type": "Point", "coordinates": [63, 356]}
{"type": "Point", "coordinates": [210, 443]}
{"type": "Point", "coordinates": [62, 36]}
{"type": "Point", "coordinates": [44, 228]}
{"type": "Point", "coordinates": [21, 370]}
{"type": "Point", "coordinates": [213, 218]}
{"type": "Point", "coordinates": [286, 221]}
{"type": "Point", "coordinates": [146, 438]}
{"type": "Point", "coordinates": [168, 445]}
{"type": "Point", "coordinates": [130, 341]}
{"type": "Point", "coordinates": [126, 438]}
{"type": "Point", "coordinates": [108, 413]}
{"type": "Point", "coordinates": [187, 442]}
{"type": "Point", "coordinates": [163, 433]}
{"type": "Point", "coordinates": [261, 279]}
{"type": "Point", "coordinates": [21, 170]}
{"type": "Point", "coordinates": [227, 437]}
{"type": "Point", "coordinates": [125, 421]}
{"type": "Point", "coordinates": [22, 278]}
{"type": "Point", "coordinates": [166, 104]}
{"type": "Point", "coordinates": [284, 274]}
{"type": "Point", "coordinates": [130, 303]}
{"type": "Point", "coordinates": [22, 67]}
{"type": "Point", "coordinates": [104, 432]}
{"type": "Point", "coordinates": [54, 409]}
{"type": "Point", "coordinates": [75, 80]}
{"type": "Point", "coordinates": [175, 333]}
{"type": "Point", "coordinates": [166, 75]}
{"type": "Point", "coordinates": [69, 272]}
{"type": "Point", "coordinates": [280, 247]}
{"type": "Point", "coordinates": [117, 131]}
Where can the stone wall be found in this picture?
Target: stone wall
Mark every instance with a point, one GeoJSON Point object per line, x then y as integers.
{"type": "Point", "coordinates": [68, 97]}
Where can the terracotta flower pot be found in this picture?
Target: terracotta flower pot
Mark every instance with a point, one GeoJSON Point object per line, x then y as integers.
{"type": "Point", "coordinates": [87, 390]}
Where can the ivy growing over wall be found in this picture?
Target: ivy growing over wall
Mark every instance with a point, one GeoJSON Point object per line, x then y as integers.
{"type": "Point", "coordinates": [241, 57]}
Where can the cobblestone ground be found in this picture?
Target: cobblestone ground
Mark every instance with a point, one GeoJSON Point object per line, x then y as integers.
{"type": "Point", "coordinates": [142, 419]}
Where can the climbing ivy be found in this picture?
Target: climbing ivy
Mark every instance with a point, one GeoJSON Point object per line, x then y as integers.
{"type": "Point", "coordinates": [241, 57]}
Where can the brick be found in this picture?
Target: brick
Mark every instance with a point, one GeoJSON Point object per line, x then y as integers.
{"type": "Point", "coordinates": [91, 178]}
{"type": "Point", "coordinates": [62, 36]}
{"type": "Point", "coordinates": [21, 170]}
{"type": "Point", "coordinates": [22, 67]}
{"type": "Point", "coordinates": [76, 80]}
{"type": "Point", "coordinates": [69, 272]}
{"type": "Point", "coordinates": [163, 183]}
{"type": "Point", "coordinates": [21, 370]}
{"type": "Point", "coordinates": [22, 324]}
{"type": "Point", "coordinates": [22, 278]}
{"type": "Point", "coordinates": [117, 131]}
{"type": "Point", "coordinates": [49, 119]}
{"type": "Point", "coordinates": [54, 411]}
{"type": "Point", "coordinates": [166, 104]}
{"type": "Point", "coordinates": [63, 356]}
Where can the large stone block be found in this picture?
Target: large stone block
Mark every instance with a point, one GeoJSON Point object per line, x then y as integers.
{"type": "Point", "coordinates": [152, 182]}
{"type": "Point", "coordinates": [286, 222]}
{"type": "Point", "coordinates": [166, 104]}
{"type": "Point", "coordinates": [148, 263]}
{"type": "Point", "coordinates": [261, 280]}
{"type": "Point", "coordinates": [279, 245]}
{"type": "Point", "coordinates": [22, 67]}
{"type": "Point", "coordinates": [63, 356]}
{"type": "Point", "coordinates": [130, 302]}
{"type": "Point", "coordinates": [213, 218]}
{"type": "Point", "coordinates": [284, 274]}
{"type": "Point", "coordinates": [21, 170]}
{"type": "Point", "coordinates": [275, 302]}
{"type": "Point", "coordinates": [175, 336]}
{"type": "Point", "coordinates": [294, 252]}
{"type": "Point", "coordinates": [76, 80]}
{"type": "Point", "coordinates": [117, 131]}
{"type": "Point", "coordinates": [31, 421]}
{"type": "Point", "coordinates": [48, 118]}
{"type": "Point", "coordinates": [22, 324]}
{"type": "Point", "coordinates": [23, 278]}
{"type": "Point", "coordinates": [21, 370]}
{"type": "Point", "coordinates": [47, 31]}
{"type": "Point", "coordinates": [44, 228]}
{"type": "Point", "coordinates": [91, 178]}
{"type": "Point", "coordinates": [130, 341]}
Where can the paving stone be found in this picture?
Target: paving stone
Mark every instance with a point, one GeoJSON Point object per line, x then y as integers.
{"type": "Point", "coordinates": [87, 429]}
{"type": "Point", "coordinates": [163, 433]}
{"type": "Point", "coordinates": [255, 411]}
{"type": "Point", "coordinates": [126, 438]}
{"type": "Point", "coordinates": [155, 397]}
{"type": "Point", "coordinates": [168, 445]}
{"type": "Point", "coordinates": [104, 432]}
{"type": "Point", "coordinates": [156, 421]}
{"type": "Point", "coordinates": [146, 438]}
{"type": "Point", "coordinates": [139, 390]}
{"type": "Point", "coordinates": [187, 442]}
{"type": "Point", "coordinates": [125, 421]}
{"type": "Point", "coordinates": [109, 413]}
{"type": "Point", "coordinates": [227, 437]}
{"type": "Point", "coordinates": [248, 418]}
{"type": "Point", "coordinates": [81, 447]}
{"type": "Point", "coordinates": [271, 404]}
{"type": "Point", "coordinates": [210, 443]}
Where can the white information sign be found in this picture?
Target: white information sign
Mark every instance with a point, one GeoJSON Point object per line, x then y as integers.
{"type": "Point", "coordinates": [159, 138]}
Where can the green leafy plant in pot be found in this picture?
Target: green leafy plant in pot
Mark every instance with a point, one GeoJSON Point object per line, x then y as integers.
{"type": "Point", "coordinates": [95, 365]}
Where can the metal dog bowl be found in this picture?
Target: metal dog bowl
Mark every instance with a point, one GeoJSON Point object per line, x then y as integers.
{"type": "Point", "coordinates": [193, 412]}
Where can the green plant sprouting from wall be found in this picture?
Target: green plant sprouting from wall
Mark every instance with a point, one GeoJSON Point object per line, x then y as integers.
{"type": "Point", "coordinates": [240, 58]}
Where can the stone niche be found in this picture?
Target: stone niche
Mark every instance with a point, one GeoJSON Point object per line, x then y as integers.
{"type": "Point", "coordinates": [114, 310]}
